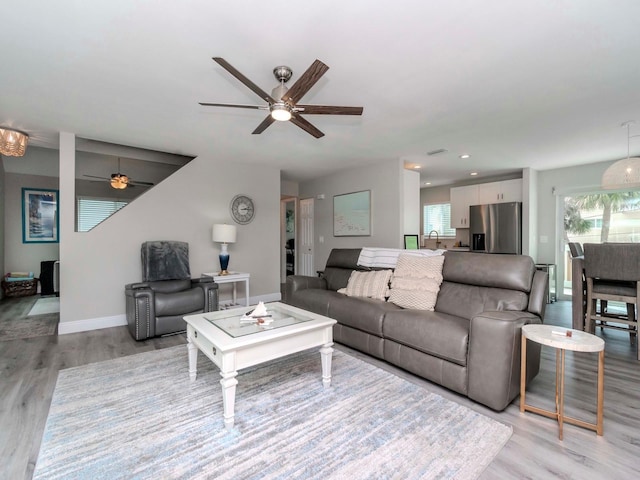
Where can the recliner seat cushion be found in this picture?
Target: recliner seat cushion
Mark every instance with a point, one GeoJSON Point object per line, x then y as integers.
{"type": "Point", "coordinates": [365, 314]}
{"type": "Point", "coordinates": [467, 301]}
{"type": "Point", "coordinates": [178, 303]}
{"type": "Point", "coordinates": [438, 334]}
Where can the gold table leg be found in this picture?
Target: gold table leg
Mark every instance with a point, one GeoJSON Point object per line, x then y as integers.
{"type": "Point", "coordinates": [559, 393]}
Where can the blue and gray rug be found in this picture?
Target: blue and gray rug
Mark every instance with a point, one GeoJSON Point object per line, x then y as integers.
{"type": "Point", "coordinates": [140, 417]}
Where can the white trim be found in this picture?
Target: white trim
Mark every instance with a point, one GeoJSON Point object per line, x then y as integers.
{"type": "Point", "coordinates": [269, 297]}
{"type": "Point", "coordinates": [121, 320]}
{"type": "Point", "coordinates": [91, 324]}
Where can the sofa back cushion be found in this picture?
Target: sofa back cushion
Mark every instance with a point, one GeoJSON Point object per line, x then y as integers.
{"type": "Point", "coordinates": [478, 282]}
{"type": "Point", "coordinates": [513, 272]}
{"type": "Point", "coordinates": [340, 264]}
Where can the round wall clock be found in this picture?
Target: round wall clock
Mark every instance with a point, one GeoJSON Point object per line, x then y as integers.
{"type": "Point", "coordinates": [242, 209]}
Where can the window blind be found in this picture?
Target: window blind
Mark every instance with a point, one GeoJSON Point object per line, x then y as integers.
{"type": "Point", "coordinates": [92, 211]}
{"type": "Point", "coordinates": [438, 217]}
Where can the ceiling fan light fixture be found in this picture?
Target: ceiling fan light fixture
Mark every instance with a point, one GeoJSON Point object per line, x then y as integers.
{"type": "Point", "coordinates": [13, 143]}
{"type": "Point", "coordinates": [280, 112]}
{"type": "Point", "coordinates": [119, 182]}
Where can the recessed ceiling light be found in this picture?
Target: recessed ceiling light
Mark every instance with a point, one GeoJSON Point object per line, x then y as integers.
{"type": "Point", "coordinates": [427, 183]}
{"type": "Point", "coordinates": [473, 174]}
{"type": "Point", "coordinates": [465, 155]}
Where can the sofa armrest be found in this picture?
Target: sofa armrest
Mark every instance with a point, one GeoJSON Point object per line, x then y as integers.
{"type": "Point", "coordinates": [140, 310]}
{"type": "Point", "coordinates": [539, 293]}
{"type": "Point", "coordinates": [210, 289]}
{"type": "Point", "coordinates": [302, 282]}
{"type": "Point", "coordinates": [494, 357]}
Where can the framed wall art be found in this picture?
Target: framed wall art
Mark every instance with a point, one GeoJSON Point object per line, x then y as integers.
{"type": "Point", "coordinates": [352, 214]}
{"type": "Point", "coordinates": [39, 215]}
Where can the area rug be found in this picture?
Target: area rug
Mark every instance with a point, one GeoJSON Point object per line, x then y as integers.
{"type": "Point", "coordinates": [28, 327]}
{"type": "Point", "coordinates": [141, 417]}
{"type": "Point", "coordinates": [44, 306]}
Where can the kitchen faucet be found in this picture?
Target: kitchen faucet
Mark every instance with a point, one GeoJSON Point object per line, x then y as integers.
{"type": "Point", "coordinates": [438, 242]}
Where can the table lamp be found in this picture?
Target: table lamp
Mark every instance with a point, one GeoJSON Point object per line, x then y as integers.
{"type": "Point", "coordinates": [224, 234]}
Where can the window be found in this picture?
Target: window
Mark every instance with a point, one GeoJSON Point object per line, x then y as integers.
{"type": "Point", "coordinates": [438, 217]}
{"type": "Point", "coordinates": [92, 211]}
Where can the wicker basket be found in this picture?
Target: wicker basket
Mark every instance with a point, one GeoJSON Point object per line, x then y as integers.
{"type": "Point", "coordinates": [20, 288]}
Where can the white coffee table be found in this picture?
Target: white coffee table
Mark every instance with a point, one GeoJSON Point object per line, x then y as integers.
{"type": "Point", "coordinates": [233, 346]}
{"type": "Point", "coordinates": [577, 341]}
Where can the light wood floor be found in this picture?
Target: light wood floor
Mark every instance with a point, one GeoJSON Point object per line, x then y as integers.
{"type": "Point", "coordinates": [30, 366]}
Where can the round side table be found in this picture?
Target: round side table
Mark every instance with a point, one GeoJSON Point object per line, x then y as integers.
{"type": "Point", "coordinates": [563, 339]}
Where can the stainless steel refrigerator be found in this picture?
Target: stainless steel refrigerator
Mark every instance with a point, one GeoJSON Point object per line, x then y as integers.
{"type": "Point", "coordinates": [496, 228]}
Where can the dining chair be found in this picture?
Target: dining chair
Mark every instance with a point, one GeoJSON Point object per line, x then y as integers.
{"type": "Point", "coordinates": [612, 272]}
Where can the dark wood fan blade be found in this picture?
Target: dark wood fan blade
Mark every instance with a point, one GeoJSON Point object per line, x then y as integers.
{"type": "Point", "coordinates": [296, 119]}
{"type": "Point", "coordinates": [254, 107]}
{"type": "Point", "coordinates": [263, 126]}
{"type": "Point", "coordinates": [142, 184]}
{"type": "Point", "coordinates": [93, 176]}
{"type": "Point", "coordinates": [328, 110]}
{"type": "Point", "coordinates": [252, 86]}
{"type": "Point", "coordinates": [305, 82]}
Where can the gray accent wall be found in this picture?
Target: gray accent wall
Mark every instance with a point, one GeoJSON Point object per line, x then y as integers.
{"type": "Point", "coordinates": [386, 182]}
{"type": "Point", "coordinates": [96, 265]}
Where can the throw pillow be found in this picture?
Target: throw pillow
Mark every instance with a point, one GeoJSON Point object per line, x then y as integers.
{"type": "Point", "coordinates": [416, 282]}
{"type": "Point", "coordinates": [373, 284]}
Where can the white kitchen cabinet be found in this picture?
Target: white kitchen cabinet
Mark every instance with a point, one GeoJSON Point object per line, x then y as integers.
{"type": "Point", "coordinates": [461, 199]}
{"type": "Point", "coordinates": [500, 192]}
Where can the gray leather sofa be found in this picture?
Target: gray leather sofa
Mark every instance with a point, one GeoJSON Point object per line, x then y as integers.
{"type": "Point", "coordinates": [471, 342]}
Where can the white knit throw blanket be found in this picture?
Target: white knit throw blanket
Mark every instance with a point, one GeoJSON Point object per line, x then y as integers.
{"type": "Point", "coordinates": [388, 257]}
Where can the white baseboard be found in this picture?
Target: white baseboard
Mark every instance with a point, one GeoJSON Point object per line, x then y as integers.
{"type": "Point", "coordinates": [121, 320]}
{"type": "Point", "coordinates": [91, 324]}
{"type": "Point", "coordinates": [269, 297]}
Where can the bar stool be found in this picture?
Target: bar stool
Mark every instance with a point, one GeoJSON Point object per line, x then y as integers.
{"type": "Point", "coordinates": [612, 271]}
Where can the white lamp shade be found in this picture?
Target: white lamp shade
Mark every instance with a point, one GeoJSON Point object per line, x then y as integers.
{"type": "Point", "coordinates": [224, 233]}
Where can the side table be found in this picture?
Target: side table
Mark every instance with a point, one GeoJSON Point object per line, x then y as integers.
{"type": "Point", "coordinates": [563, 339]}
{"type": "Point", "coordinates": [233, 278]}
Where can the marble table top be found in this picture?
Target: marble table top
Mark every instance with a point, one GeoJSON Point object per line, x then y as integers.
{"type": "Point", "coordinates": [557, 337]}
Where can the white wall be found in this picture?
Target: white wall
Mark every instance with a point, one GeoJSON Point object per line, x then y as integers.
{"type": "Point", "coordinates": [552, 184]}
{"type": "Point", "coordinates": [411, 202]}
{"type": "Point", "coordinates": [530, 213]}
{"type": "Point", "coordinates": [96, 265]}
{"type": "Point", "coordinates": [385, 182]}
{"type": "Point", "coordinates": [2, 218]}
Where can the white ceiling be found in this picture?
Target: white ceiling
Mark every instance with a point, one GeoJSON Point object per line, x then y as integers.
{"type": "Point", "coordinates": [514, 83]}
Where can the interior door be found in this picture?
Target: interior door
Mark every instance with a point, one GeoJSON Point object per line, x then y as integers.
{"type": "Point", "coordinates": [305, 237]}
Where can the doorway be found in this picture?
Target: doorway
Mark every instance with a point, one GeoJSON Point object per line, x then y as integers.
{"type": "Point", "coordinates": [288, 211]}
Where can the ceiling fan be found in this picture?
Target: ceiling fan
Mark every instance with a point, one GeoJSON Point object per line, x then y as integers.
{"type": "Point", "coordinates": [283, 102]}
{"type": "Point", "coordinates": [120, 181]}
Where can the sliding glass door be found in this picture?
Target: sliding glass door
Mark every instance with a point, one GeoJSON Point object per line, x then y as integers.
{"type": "Point", "coordinates": [598, 218]}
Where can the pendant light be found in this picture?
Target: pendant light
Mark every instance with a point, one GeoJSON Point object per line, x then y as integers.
{"type": "Point", "coordinates": [624, 174]}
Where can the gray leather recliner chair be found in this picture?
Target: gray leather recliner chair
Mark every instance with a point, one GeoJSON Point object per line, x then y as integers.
{"type": "Point", "coordinates": [156, 306]}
